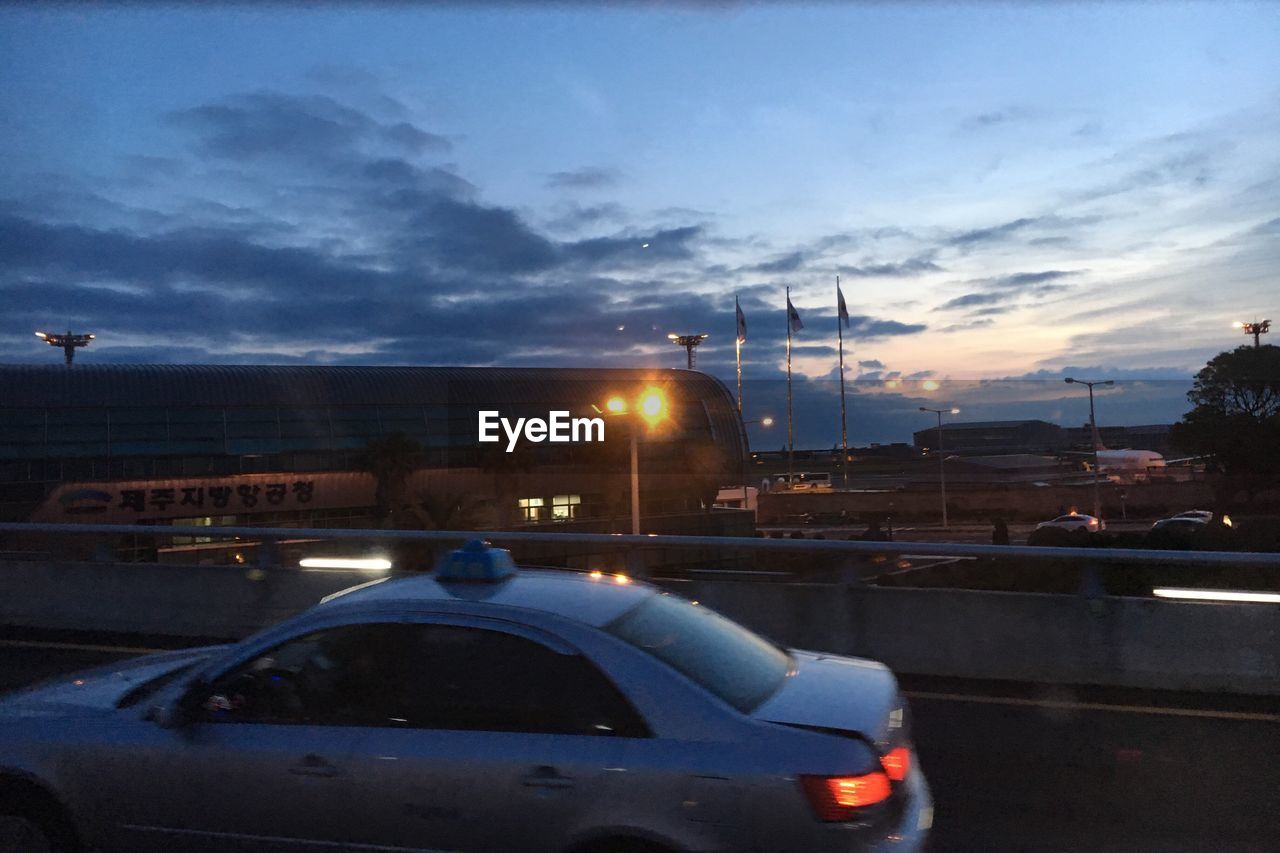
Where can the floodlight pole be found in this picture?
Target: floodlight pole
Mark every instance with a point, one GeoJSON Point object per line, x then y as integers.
{"type": "Point", "coordinates": [689, 342]}
{"type": "Point", "coordinates": [67, 342]}
{"type": "Point", "coordinates": [1097, 440]}
{"type": "Point", "coordinates": [942, 459]}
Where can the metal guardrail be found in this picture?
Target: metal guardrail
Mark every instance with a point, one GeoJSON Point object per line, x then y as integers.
{"type": "Point", "coordinates": [621, 541]}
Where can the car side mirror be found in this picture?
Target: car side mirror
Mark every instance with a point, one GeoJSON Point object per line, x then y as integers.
{"type": "Point", "coordinates": [166, 716]}
{"type": "Point", "coordinates": [183, 710]}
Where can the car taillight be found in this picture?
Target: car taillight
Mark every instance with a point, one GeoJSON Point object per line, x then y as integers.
{"type": "Point", "coordinates": [838, 798]}
{"type": "Point", "coordinates": [897, 763]}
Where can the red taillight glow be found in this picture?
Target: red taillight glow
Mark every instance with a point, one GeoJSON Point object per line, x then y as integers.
{"type": "Point", "coordinates": [897, 763]}
{"type": "Point", "coordinates": [837, 798]}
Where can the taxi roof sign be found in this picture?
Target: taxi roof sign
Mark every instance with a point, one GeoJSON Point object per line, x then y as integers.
{"type": "Point", "coordinates": [476, 561]}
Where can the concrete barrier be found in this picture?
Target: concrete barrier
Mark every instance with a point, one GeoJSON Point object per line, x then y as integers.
{"type": "Point", "coordinates": [216, 602]}
{"type": "Point", "coordinates": [1130, 642]}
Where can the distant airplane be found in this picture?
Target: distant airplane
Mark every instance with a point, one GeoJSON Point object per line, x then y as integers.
{"type": "Point", "coordinates": [1127, 461]}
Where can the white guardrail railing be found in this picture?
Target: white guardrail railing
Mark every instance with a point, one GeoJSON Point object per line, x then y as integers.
{"type": "Point", "coordinates": [627, 542]}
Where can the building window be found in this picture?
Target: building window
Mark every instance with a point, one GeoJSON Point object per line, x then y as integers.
{"type": "Point", "coordinates": [564, 507]}
{"type": "Point", "coordinates": [531, 508]}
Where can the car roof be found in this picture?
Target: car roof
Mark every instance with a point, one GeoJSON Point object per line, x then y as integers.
{"type": "Point", "coordinates": [593, 599]}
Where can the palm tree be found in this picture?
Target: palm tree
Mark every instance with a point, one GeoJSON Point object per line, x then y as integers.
{"type": "Point", "coordinates": [391, 460]}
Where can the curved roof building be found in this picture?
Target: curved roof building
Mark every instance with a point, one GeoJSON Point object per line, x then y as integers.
{"type": "Point", "coordinates": [76, 430]}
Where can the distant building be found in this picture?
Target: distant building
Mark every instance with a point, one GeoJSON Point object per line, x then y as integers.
{"type": "Point", "coordinates": [993, 437]}
{"type": "Point", "coordinates": [201, 445]}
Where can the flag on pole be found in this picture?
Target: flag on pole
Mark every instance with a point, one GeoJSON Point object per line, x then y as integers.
{"type": "Point", "coordinates": [793, 316]}
{"type": "Point", "coordinates": [742, 321]}
{"type": "Point", "coordinates": [844, 309]}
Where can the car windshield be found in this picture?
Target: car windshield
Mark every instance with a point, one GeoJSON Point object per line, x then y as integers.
{"type": "Point", "coordinates": [736, 665]}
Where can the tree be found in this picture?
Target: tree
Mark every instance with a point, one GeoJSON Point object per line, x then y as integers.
{"type": "Point", "coordinates": [1235, 421]}
{"type": "Point", "coordinates": [706, 468]}
{"type": "Point", "coordinates": [391, 460]}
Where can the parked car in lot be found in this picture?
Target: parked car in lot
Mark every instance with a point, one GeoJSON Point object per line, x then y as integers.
{"type": "Point", "coordinates": [1202, 515]}
{"type": "Point", "coordinates": [1075, 521]}
{"type": "Point", "coordinates": [481, 708]}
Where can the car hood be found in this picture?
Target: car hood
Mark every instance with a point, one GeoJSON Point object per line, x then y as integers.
{"type": "Point", "coordinates": [839, 693]}
{"type": "Point", "coordinates": [98, 689]}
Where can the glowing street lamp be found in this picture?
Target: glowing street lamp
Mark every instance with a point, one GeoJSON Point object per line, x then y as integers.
{"type": "Point", "coordinates": [689, 342]}
{"type": "Point", "coordinates": [1257, 328]}
{"type": "Point", "coordinates": [1093, 428]}
{"type": "Point", "coordinates": [942, 457]}
{"type": "Point", "coordinates": [652, 408]}
{"type": "Point", "coordinates": [766, 421]}
{"type": "Point", "coordinates": [68, 342]}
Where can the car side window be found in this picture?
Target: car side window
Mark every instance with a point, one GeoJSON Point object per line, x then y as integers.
{"type": "Point", "coordinates": [330, 677]}
{"type": "Point", "coordinates": [480, 680]}
{"type": "Point", "coordinates": [423, 676]}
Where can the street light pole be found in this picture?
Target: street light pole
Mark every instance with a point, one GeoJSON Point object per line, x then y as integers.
{"type": "Point", "coordinates": [1093, 428]}
{"type": "Point", "coordinates": [765, 421]}
{"type": "Point", "coordinates": [942, 458]}
{"type": "Point", "coordinates": [652, 408]}
{"type": "Point", "coordinates": [635, 480]}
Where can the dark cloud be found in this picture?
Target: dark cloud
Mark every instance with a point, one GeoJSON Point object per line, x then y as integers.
{"type": "Point", "coordinates": [575, 217]}
{"type": "Point", "coordinates": [995, 117]}
{"type": "Point", "coordinates": [970, 300]}
{"type": "Point", "coordinates": [785, 263]}
{"type": "Point", "coordinates": [668, 244]}
{"type": "Point", "coordinates": [871, 364]}
{"type": "Point", "coordinates": [972, 324]}
{"type": "Point", "coordinates": [466, 236]}
{"type": "Point", "coordinates": [587, 178]}
{"type": "Point", "coordinates": [1030, 280]}
{"type": "Point", "coordinates": [911, 267]}
{"type": "Point", "coordinates": [295, 127]}
{"type": "Point", "coordinates": [864, 327]}
{"type": "Point", "coordinates": [992, 234]}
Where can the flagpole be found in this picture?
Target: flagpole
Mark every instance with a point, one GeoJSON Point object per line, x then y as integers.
{"type": "Point", "coordinates": [791, 436]}
{"type": "Point", "coordinates": [737, 352]}
{"type": "Point", "coordinates": [844, 434]}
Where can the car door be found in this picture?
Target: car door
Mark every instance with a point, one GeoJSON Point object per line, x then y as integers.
{"type": "Point", "coordinates": [266, 764]}
{"type": "Point", "coordinates": [501, 740]}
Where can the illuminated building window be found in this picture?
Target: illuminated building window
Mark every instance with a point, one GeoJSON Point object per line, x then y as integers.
{"type": "Point", "coordinates": [531, 508]}
{"type": "Point", "coordinates": [565, 506]}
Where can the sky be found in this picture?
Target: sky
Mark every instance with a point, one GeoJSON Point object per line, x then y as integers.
{"type": "Point", "coordinates": [1009, 193]}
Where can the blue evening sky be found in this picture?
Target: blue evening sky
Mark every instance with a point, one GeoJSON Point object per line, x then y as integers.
{"type": "Point", "coordinates": [1006, 190]}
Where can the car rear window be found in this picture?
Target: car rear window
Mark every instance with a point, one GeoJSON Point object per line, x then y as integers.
{"type": "Point", "coordinates": [731, 662]}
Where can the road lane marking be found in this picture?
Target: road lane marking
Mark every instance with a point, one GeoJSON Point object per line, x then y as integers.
{"type": "Point", "coordinates": [1095, 706]}
{"type": "Point", "coordinates": [82, 647]}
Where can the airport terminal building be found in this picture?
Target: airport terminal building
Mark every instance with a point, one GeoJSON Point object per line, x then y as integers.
{"type": "Point", "coordinates": [290, 446]}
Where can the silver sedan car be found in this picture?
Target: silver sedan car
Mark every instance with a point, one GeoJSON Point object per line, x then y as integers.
{"type": "Point", "coordinates": [481, 709]}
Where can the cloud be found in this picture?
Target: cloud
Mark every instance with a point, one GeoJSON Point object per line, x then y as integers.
{"type": "Point", "coordinates": [972, 324]}
{"type": "Point", "coordinates": [864, 327]}
{"type": "Point", "coordinates": [992, 234]}
{"type": "Point", "coordinates": [970, 300]}
{"type": "Point", "coordinates": [910, 267]}
{"type": "Point", "coordinates": [586, 178]}
{"type": "Point", "coordinates": [993, 118]}
{"type": "Point", "coordinates": [295, 127]}
{"type": "Point", "coordinates": [785, 263]}
{"type": "Point", "coordinates": [871, 364]}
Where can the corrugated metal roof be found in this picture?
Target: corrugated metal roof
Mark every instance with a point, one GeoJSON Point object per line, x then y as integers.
{"type": "Point", "coordinates": [247, 385]}
{"type": "Point", "coordinates": [190, 385]}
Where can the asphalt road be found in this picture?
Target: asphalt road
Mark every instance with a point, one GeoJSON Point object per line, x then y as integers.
{"type": "Point", "coordinates": [1017, 767]}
